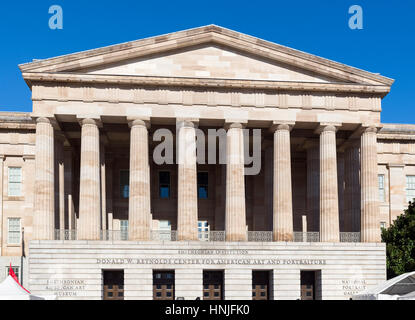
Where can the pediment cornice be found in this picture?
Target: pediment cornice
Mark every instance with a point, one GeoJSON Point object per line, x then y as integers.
{"type": "Point", "coordinates": [39, 77]}
{"type": "Point", "coordinates": [204, 35]}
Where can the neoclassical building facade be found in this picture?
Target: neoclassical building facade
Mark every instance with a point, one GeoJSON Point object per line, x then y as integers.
{"type": "Point", "coordinates": [102, 220]}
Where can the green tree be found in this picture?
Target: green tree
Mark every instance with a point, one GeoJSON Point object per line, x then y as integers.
{"type": "Point", "coordinates": [400, 243]}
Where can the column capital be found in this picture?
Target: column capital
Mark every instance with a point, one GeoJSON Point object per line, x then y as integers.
{"type": "Point", "coordinates": [369, 129]}
{"type": "Point", "coordinates": [43, 120]}
{"type": "Point", "coordinates": [139, 123]}
{"type": "Point", "coordinates": [234, 125]}
{"type": "Point", "coordinates": [46, 119]}
{"type": "Point", "coordinates": [187, 123]}
{"type": "Point", "coordinates": [282, 125]}
{"type": "Point", "coordinates": [91, 121]}
{"type": "Point", "coordinates": [327, 126]}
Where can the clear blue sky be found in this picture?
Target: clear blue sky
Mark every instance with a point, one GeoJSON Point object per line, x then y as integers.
{"type": "Point", "coordinates": [385, 45]}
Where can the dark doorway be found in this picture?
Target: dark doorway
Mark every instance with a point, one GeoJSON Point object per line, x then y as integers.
{"type": "Point", "coordinates": [163, 285]}
{"type": "Point", "coordinates": [261, 285]}
{"type": "Point", "coordinates": [113, 284]}
{"type": "Point", "coordinates": [212, 285]}
{"type": "Point", "coordinates": [308, 285]}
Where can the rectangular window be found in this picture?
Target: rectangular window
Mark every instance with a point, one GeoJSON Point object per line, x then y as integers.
{"type": "Point", "coordinates": [124, 184]}
{"type": "Point", "coordinates": [16, 270]}
{"type": "Point", "coordinates": [381, 181]}
{"type": "Point", "coordinates": [124, 229]}
{"type": "Point", "coordinates": [203, 230]}
{"type": "Point", "coordinates": [15, 181]}
{"type": "Point", "coordinates": [202, 185]}
{"type": "Point", "coordinates": [383, 225]}
{"type": "Point", "coordinates": [13, 236]}
{"type": "Point", "coordinates": [164, 184]}
{"type": "Point", "coordinates": [410, 188]}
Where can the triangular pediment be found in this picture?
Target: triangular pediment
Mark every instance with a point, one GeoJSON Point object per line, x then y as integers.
{"type": "Point", "coordinates": [205, 52]}
{"type": "Point", "coordinates": [209, 61]}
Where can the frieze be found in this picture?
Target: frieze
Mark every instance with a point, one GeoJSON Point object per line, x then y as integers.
{"type": "Point", "coordinates": [210, 261]}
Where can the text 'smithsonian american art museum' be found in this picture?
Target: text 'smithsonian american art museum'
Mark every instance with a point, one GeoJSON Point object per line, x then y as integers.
{"type": "Point", "coordinates": [88, 210]}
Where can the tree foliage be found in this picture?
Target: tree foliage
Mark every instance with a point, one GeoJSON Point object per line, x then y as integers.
{"type": "Point", "coordinates": [400, 243]}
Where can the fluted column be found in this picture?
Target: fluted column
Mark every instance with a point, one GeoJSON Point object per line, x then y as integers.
{"type": "Point", "coordinates": [89, 187]}
{"type": "Point", "coordinates": [139, 216]}
{"type": "Point", "coordinates": [108, 176]}
{"type": "Point", "coordinates": [369, 171]}
{"type": "Point", "coordinates": [282, 200]}
{"type": "Point", "coordinates": [352, 189]}
{"type": "Point", "coordinates": [313, 186]}
{"type": "Point", "coordinates": [69, 216]}
{"type": "Point", "coordinates": [103, 185]}
{"type": "Point", "coordinates": [235, 213]}
{"type": "Point", "coordinates": [59, 148]}
{"type": "Point", "coordinates": [43, 218]}
{"type": "Point", "coordinates": [340, 188]}
{"type": "Point", "coordinates": [187, 212]}
{"type": "Point", "coordinates": [329, 204]}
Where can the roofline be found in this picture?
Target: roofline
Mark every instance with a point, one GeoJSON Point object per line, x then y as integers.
{"type": "Point", "coordinates": [209, 29]}
{"type": "Point", "coordinates": [380, 90]}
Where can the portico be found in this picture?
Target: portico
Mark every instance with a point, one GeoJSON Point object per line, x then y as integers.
{"type": "Point", "coordinates": [105, 108]}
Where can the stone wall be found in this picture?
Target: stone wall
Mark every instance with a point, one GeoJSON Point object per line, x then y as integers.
{"type": "Point", "coordinates": [73, 270]}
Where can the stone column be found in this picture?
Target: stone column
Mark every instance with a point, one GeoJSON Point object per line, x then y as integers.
{"type": "Point", "coordinates": [139, 216]}
{"type": "Point", "coordinates": [43, 217]}
{"type": "Point", "coordinates": [329, 203]}
{"type": "Point", "coordinates": [89, 187]}
{"type": "Point", "coordinates": [268, 183]}
{"type": "Point", "coordinates": [340, 188]}
{"type": "Point", "coordinates": [369, 179]}
{"type": "Point", "coordinates": [187, 212]}
{"type": "Point", "coordinates": [282, 190]}
{"type": "Point", "coordinates": [352, 189]}
{"type": "Point", "coordinates": [69, 216]}
{"type": "Point", "coordinates": [220, 180]}
{"type": "Point", "coordinates": [103, 186]}
{"type": "Point", "coordinates": [313, 186]}
{"type": "Point", "coordinates": [108, 175]}
{"type": "Point", "coordinates": [60, 139]}
{"type": "Point", "coordinates": [235, 212]}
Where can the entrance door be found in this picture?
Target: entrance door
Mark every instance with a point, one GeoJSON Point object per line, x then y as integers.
{"type": "Point", "coordinates": [308, 284]}
{"type": "Point", "coordinates": [212, 285]}
{"type": "Point", "coordinates": [260, 285]}
{"type": "Point", "coordinates": [163, 285]}
{"type": "Point", "coordinates": [113, 285]}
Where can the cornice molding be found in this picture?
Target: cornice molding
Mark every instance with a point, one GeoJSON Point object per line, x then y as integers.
{"type": "Point", "coordinates": [42, 77]}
